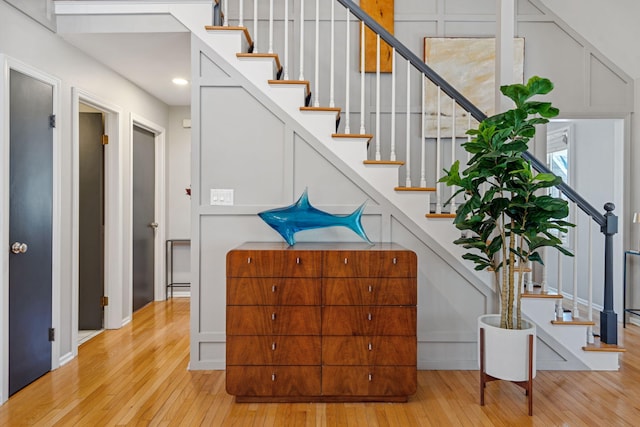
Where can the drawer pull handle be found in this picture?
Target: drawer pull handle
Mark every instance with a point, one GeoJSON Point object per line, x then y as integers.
{"type": "Point", "coordinates": [346, 260]}
{"type": "Point", "coordinates": [370, 377]}
{"type": "Point", "coordinates": [273, 346]}
{"type": "Point", "coordinates": [273, 316]}
{"type": "Point", "coordinates": [370, 347]}
{"type": "Point", "coordinates": [273, 377]}
{"type": "Point", "coordinates": [297, 260]}
{"type": "Point", "coordinates": [370, 288]}
{"type": "Point", "coordinates": [273, 288]}
{"type": "Point", "coordinates": [395, 260]}
{"type": "Point", "coordinates": [369, 316]}
{"type": "Point", "coordinates": [249, 260]}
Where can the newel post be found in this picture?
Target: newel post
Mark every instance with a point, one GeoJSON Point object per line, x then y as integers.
{"type": "Point", "coordinates": [608, 317]}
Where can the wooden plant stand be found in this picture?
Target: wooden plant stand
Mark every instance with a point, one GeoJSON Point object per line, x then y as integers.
{"type": "Point", "coordinates": [485, 378]}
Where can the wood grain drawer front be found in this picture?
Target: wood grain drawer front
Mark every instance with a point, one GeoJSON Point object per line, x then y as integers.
{"type": "Point", "coordinates": [376, 320]}
{"type": "Point", "coordinates": [368, 381]}
{"type": "Point", "coordinates": [273, 320]}
{"type": "Point", "coordinates": [273, 380]}
{"type": "Point", "coordinates": [248, 263]}
{"type": "Point", "coordinates": [373, 291]}
{"type": "Point", "coordinates": [273, 291]}
{"type": "Point", "coordinates": [386, 350]}
{"type": "Point", "coordinates": [273, 350]}
{"type": "Point", "coordinates": [370, 264]}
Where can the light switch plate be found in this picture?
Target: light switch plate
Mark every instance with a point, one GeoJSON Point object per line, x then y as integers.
{"type": "Point", "coordinates": [221, 197]}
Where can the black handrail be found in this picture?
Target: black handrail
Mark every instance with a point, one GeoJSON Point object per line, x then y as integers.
{"type": "Point", "coordinates": [608, 222]}
{"type": "Point", "coordinates": [475, 112]}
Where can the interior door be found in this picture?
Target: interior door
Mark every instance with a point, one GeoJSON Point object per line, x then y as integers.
{"type": "Point", "coordinates": [30, 229]}
{"type": "Point", "coordinates": [144, 224]}
{"type": "Point", "coordinates": [91, 222]}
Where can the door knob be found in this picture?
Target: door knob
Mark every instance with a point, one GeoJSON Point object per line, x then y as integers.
{"type": "Point", "coordinates": [19, 248]}
{"type": "Point", "coordinates": [153, 225]}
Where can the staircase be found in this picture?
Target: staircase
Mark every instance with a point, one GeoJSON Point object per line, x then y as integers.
{"type": "Point", "coordinates": [376, 160]}
{"type": "Point", "coordinates": [559, 329]}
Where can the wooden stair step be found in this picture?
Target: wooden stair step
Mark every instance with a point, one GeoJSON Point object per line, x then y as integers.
{"type": "Point", "coordinates": [273, 56]}
{"type": "Point", "coordinates": [293, 83]}
{"type": "Point", "coordinates": [383, 162]}
{"type": "Point", "coordinates": [336, 110]}
{"type": "Point", "coordinates": [243, 29]}
{"type": "Point", "coordinates": [539, 293]}
{"type": "Point", "coordinates": [415, 189]}
{"type": "Point", "coordinates": [366, 136]}
{"type": "Point", "coordinates": [568, 319]}
{"type": "Point", "coordinates": [602, 347]}
{"type": "Point", "coordinates": [440, 215]}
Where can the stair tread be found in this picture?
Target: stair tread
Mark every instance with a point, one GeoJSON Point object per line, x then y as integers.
{"type": "Point", "coordinates": [220, 28]}
{"type": "Point", "coordinates": [600, 346]}
{"type": "Point", "coordinates": [415, 189]}
{"type": "Point", "coordinates": [440, 215]}
{"type": "Point", "coordinates": [568, 320]}
{"type": "Point", "coordinates": [292, 82]}
{"type": "Point", "coordinates": [539, 293]}
{"type": "Point", "coordinates": [273, 56]}
{"type": "Point", "coordinates": [336, 110]}
{"type": "Point", "coordinates": [352, 135]}
{"type": "Point", "coordinates": [383, 162]}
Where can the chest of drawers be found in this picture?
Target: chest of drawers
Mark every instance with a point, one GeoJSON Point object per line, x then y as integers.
{"type": "Point", "coordinates": [321, 322]}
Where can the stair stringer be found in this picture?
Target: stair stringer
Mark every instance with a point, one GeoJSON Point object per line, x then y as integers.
{"type": "Point", "coordinates": [372, 179]}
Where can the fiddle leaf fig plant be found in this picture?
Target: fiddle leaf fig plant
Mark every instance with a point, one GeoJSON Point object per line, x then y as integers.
{"type": "Point", "coordinates": [507, 216]}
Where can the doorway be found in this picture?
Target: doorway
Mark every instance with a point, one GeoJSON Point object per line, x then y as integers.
{"type": "Point", "coordinates": [91, 264]}
{"type": "Point", "coordinates": [147, 212]}
{"type": "Point", "coordinates": [31, 207]}
{"type": "Point", "coordinates": [144, 221]}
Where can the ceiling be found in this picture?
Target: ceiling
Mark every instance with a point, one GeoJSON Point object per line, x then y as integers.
{"type": "Point", "coordinates": [149, 60]}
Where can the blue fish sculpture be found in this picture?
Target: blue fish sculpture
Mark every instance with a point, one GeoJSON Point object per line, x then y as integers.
{"type": "Point", "coordinates": [302, 216]}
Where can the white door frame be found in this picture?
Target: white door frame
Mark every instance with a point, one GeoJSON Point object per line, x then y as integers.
{"type": "Point", "coordinates": [159, 290]}
{"type": "Point", "coordinates": [9, 64]}
{"type": "Point", "coordinates": [113, 283]}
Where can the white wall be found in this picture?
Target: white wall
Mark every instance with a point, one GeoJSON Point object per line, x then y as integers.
{"type": "Point", "coordinates": [612, 27]}
{"type": "Point", "coordinates": [28, 42]}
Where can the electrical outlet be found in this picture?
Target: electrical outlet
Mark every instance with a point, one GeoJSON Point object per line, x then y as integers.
{"type": "Point", "coordinates": [221, 197]}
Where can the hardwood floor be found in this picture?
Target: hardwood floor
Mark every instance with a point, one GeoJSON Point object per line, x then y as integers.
{"type": "Point", "coordinates": [138, 376]}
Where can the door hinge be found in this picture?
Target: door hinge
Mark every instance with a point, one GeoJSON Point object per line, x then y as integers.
{"type": "Point", "coordinates": [52, 121]}
{"type": "Point", "coordinates": [104, 301]}
{"type": "Point", "coordinates": [52, 334]}
{"type": "Point", "coordinates": [105, 139]}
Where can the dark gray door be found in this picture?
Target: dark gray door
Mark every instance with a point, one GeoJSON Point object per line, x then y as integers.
{"type": "Point", "coordinates": [31, 205]}
{"type": "Point", "coordinates": [91, 222]}
{"type": "Point", "coordinates": [143, 216]}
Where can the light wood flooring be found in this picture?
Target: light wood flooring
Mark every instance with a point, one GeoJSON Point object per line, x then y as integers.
{"type": "Point", "coordinates": [138, 376]}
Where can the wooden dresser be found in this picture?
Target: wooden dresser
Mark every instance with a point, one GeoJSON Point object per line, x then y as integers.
{"type": "Point", "coordinates": [321, 322]}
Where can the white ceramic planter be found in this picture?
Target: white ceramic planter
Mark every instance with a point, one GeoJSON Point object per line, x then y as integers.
{"type": "Point", "coordinates": [507, 350]}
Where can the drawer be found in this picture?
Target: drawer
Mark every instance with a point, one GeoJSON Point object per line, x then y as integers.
{"type": "Point", "coordinates": [273, 320]}
{"type": "Point", "coordinates": [385, 350]}
{"type": "Point", "coordinates": [368, 381]}
{"type": "Point", "coordinates": [273, 380]}
{"type": "Point", "coordinates": [368, 320]}
{"type": "Point", "coordinates": [370, 264]}
{"type": "Point", "coordinates": [373, 291]}
{"type": "Point", "coordinates": [273, 350]}
{"type": "Point", "coordinates": [255, 263]}
{"type": "Point", "coordinates": [273, 291]}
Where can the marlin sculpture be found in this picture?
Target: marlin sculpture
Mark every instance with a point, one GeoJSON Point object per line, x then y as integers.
{"type": "Point", "coordinates": [302, 216]}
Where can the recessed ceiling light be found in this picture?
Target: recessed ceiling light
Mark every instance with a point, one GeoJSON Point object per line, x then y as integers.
{"type": "Point", "coordinates": [180, 81]}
